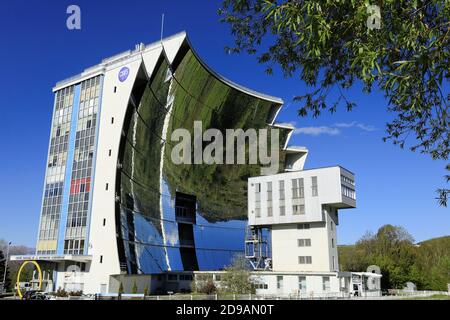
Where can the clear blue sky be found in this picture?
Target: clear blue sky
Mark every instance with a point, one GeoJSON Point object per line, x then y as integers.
{"type": "Point", "coordinates": [37, 50]}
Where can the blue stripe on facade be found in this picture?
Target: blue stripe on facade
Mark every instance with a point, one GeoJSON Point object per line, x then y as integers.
{"type": "Point", "coordinates": [94, 161]}
{"type": "Point", "coordinates": [68, 173]}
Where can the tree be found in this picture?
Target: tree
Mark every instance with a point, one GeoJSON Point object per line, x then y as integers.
{"type": "Point", "coordinates": [134, 289]}
{"type": "Point", "coordinates": [401, 47]}
{"type": "Point", "coordinates": [204, 287]}
{"type": "Point", "coordinates": [146, 290]}
{"type": "Point", "coordinates": [391, 248]}
{"type": "Point", "coordinates": [7, 284]}
{"type": "Point", "coordinates": [120, 291]}
{"type": "Point", "coordinates": [236, 279]}
{"type": "Point", "coordinates": [427, 264]}
{"type": "Point", "coordinates": [13, 266]}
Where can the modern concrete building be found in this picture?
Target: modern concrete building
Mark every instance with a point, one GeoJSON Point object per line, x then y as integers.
{"type": "Point", "coordinates": [301, 210]}
{"type": "Point", "coordinates": [298, 211]}
{"type": "Point", "coordinates": [114, 204]}
{"type": "Point", "coordinates": [117, 210]}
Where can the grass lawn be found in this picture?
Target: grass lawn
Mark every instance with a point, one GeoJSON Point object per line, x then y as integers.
{"type": "Point", "coordinates": [433, 297]}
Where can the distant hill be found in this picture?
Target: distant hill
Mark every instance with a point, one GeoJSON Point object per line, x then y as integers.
{"type": "Point", "coordinates": [426, 263]}
{"type": "Point", "coordinates": [444, 239]}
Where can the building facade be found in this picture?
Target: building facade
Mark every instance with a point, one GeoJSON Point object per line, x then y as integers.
{"type": "Point", "coordinates": [114, 203]}
{"type": "Point", "coordinates": [300, 208]}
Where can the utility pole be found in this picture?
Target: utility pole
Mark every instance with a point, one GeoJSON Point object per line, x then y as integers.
{"type": "Point", "coordinates": [6, 266]}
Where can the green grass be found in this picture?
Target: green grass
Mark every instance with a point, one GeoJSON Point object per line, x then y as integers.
{"type": "Point", "coordinates": [433, 297]}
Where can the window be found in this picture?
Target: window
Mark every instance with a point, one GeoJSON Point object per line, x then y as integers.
{"type": "Point", "coordinates": [326, 283]}
{"type": "Point", "coordinates": [269, 199]}
{"type": "Point", "coordinates": [106, 187]}
{"type": "Point", "coordinates": [261, 286]}
{"type": "Point", "coordinates": [281, 189]}
{"type": "Point", "coordinates": [332, 259]}
{"type": "Point", "coordinates": [258, 212]}
{"type": "Point", "coordinates": [279, 282]}
{"type": "Point", "coordinates": [109, 152]}
{"type": "Point", "coordinates": [302, 284]}
{"type": "Point", "coordinates": [115, 89]}
{"type": "Point", "coordinates": [294, 188]}
{"type": "Point", "coordinates": [304, 259]}
{"type": "Point", "coordinates": [269, 191]}
{"type": "Point", "coordinates": [282, 211]}
{"type": "Point", "coordinates": [257, 192]}
{"type": "Point", "coordinates": [314, 187]}
{"type": "Point", "coordinates": [348, 192]}
{"type": "Point", "coordinates": [332, 242]}
{"type": "Point", "coordinates": [347, 180]}
{"type": "Point", "coordinates": [101, 259]}
{"type": "Point", "coordinates": [112, 120]}
{"type": "Point", "coordinates": [331, 225]}
{"type": "Point", "coordinates": [186, 277]}
{"type": "Point", "coordinates": [298, 209]}
{"type": "Point", "coordinates": [297, 188]}
{"type": "Point", "coordinates": [104, 222]}
{"type": "Point", "coordinates": [172, 277]}
{"type": "Point", "coordinates": [301, 189]}
{"type": "Point", "coordinates": [303, 226]}
{"type": "Point", "coordinates": [304, 242]}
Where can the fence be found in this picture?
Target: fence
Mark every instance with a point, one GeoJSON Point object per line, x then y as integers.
{"type": "Point", "coordinates": [306, 296]}
{"type": "Point", "coordinates": [392, 294]}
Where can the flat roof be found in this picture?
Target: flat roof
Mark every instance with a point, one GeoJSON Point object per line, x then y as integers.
{"type": "Point", "coordinates": [120, 57]}
{"type": "Point", "coordinates": [310, 169]}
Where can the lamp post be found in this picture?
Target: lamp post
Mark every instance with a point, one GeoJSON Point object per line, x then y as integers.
{"type": "Point", "coordinates": [6, 266]}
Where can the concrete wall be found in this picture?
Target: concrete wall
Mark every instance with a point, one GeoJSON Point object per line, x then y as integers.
{"type": "Point", "coordinates": [329, 192]}
{"type": "Point", "coordinates": [285, 249]}
{"type": "Point", "coordinates": [290, 284]}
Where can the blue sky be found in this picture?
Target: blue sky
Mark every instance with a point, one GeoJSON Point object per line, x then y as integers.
{"type": "Point", "coordinates": [393, 186]}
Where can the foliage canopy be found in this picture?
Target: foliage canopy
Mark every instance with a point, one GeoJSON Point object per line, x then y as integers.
{"type": "Point", "coordinates": [330, 45]}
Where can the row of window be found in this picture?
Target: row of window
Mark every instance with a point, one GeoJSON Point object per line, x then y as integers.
{"type": "Point", "coordinates": [181, 277]}
{"type": "Point", "coordinates": [57, 157]}
{"type": "Point", "coordinates": [347, 180]}
{"type": "Point", "coordinates": [349, 193]}
{"type": "Point", "coordinates": [298, 189]}
{"type": "Point", "coordinates": [297, 209]}
{"type": "Point", "coordinates": [301, 284]}
{"type": "Point", "coordinates": [82, 162]}
{"type": "Point", "coordinates": [304, 242]}
{"type": "Point", "coordinates": [73, 246]}
{"type": "Point", "coordinates": [304, 260]}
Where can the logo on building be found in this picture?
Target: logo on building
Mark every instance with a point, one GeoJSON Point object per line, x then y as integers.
{"type": "Point", "coordinates": [123, 74]}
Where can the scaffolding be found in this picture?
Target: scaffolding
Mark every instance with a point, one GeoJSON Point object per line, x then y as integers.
{"type": "Point", "coordinates": [257, 249]}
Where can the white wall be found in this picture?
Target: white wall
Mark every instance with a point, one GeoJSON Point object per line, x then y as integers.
{"type": "Point", "coordinates": [285, 249]}
{"type": "Point", "coordinates": [321, 214]}
{"type": "Point", "coordinates": [314, 284]}
{"type": "Point", "coordinates": [329, 192]}
{"type": "Point", "coordinates": [102, 239]}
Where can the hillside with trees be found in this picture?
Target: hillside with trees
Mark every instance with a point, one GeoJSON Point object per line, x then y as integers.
{"type": "Point", "coordinates": [392, 248]}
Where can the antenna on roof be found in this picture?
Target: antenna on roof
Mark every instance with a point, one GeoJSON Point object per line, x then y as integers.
{"type": "Point", "coordinates": [162, 26]}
